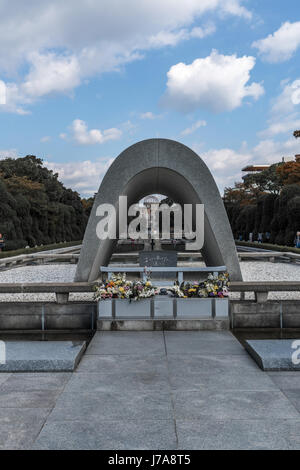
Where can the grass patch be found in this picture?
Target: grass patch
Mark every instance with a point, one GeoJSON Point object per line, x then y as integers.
{"type": "Point", "coordinates": [25, 251]}
{"type": "Point", "coordinates": [269, 246]}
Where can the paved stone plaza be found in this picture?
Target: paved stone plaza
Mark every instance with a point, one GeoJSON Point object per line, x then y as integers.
{"type": "Point", "coordinates": [153, 390]}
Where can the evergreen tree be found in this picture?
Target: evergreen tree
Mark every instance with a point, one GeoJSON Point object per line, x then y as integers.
{"type": "Point", "coordinates": [35, 207]}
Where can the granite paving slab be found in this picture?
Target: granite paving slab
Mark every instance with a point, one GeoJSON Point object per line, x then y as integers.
{"type": "Point", "coordinates": [206, 364]}
{"type": "Point", "coordinates": [224, 404]}
{"type": "Point", "coordinates": [275, 354]}
{"type": "Point", "coordinates": [226, 381]}
{"type": "Point", "coordinates": [118, 363]}
{"type": "Point", "coordinates": [287, 380]}
{"type": "Point", "coordinates": [103, 435]}
{"type": "Point", "coordinates": [294, 397]}
{"type": "Point", "coordinates": [3, 377]}
{"type": "Point", "coordinates": [153, 390]}
{"type": "Point", "coordinates": [232, 372]}
{"type": "Point", "coordinates": [142, 343]}
{"type": "Point", "coordinates": [20, 427]}
{"type": "Point", "coordinates": [42, 356]}
{"type": "Point", "coordinates": [24, 382]}
{"type": "Point", "coordinates": [125, 380]}
{"type": "Point", "coordinates": [207, 342]}
{"type": "Point", "coordinates": [239, 434]}
{"type": "Point", "coordinates": [28, 399]}
{"type": "Point", "coordinates": [122, 404]}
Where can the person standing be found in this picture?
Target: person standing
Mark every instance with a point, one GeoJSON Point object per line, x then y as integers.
{"type": "Point", "coordinates": [297, 240]}
{"type": "Point", "coordinates": [2, 244]}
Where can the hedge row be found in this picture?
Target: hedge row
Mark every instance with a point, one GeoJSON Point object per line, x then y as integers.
{"type": "Point", "coordinates": [269, 246]}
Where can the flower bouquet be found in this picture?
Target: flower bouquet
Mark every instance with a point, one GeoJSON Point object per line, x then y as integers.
{"type": "Point", "coordinates": [117, 287]}
{"type": "Point", "coordinates": [215, 286]}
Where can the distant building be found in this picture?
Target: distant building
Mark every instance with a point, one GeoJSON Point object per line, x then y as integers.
{"type": "Point", "coordinates": [252, 169]}
{"type": "Point", "coordinates": [152, 203]}
{"type": "Point", "coordinates": [255, 168]}
{"type": "Point", "coordinates": [149, 200]}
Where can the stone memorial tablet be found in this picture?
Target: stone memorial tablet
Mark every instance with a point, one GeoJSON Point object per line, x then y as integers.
{"type": "Point", "coordinates": [159, 259]}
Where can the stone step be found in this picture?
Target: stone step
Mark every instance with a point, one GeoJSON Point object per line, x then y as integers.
{"type": "Point", "coordinates": [275, 354]}
{"type": "Point", "coordinates": [204, 324]}
{"type": "Point", "coordinates": [40, 356]}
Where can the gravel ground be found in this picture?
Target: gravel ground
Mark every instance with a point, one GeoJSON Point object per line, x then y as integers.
{"type": "Point", "coordinates": [266, 271]}
{"type": "Point", "coordinates": [252, 271]}
{"type": "Point", "coordinates": [43, 273]}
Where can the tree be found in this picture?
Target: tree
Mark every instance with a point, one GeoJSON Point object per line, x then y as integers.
{"type": "Point", "coordinates": [87, 204]}
{"type": "Point", "coordinates": [289, 173]}
{"type": "Point", "coordinates": [268, 201]}
{"type": "Point", "coordinates": [267, 180]}
{"type": "Point", "coordinates": [297, 134]}
{"type": "Point", "coordinates": [35, 207]}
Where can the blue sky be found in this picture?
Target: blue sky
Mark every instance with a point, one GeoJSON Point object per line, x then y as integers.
{"type": "Point", "coordinates": [82, 80]}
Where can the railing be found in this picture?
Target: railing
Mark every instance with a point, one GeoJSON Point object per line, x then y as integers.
{"type": "Point", "coordinates": [63, 289]}
{"type": "Point", "coordinates": [151, 269]}
{"type": "Point", "coordinates": [269, 256]}
{"type": "Point", "coordinates": [40, 257]}
{"type": "Point", "coordinates": [21, 260]}
{"type": "Point", "coordinates": [261, 289]}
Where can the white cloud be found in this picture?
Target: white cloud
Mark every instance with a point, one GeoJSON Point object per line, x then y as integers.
{"type": "Point", "coordinates": [63, 43]}
{"type": "Point", "coordinates": [281, 127]}
{"type": "Point", "coordinates": [288, 98]}
{"type": "Point", "coordinates": [226, 163]}
{"type": "Point", "coordinates": [234, 7]}
{"type": "Point", "coordinates": [271, 151]}
{"type": "Point", "coordinates": [149, 115]}
{"type": "Point", "coordinates": [15, 100]}
{"type": "Point", "coordinates": [50, 73]}
{"type": "Point", "coordinates": [217, 83]}
{"type": "Point", "coordinates": [285, 110]}
{"type": "Point", "coordinates": [226, 159]}
{"type": "Point", "coordinates": [46, 138]}
{"type": "Point", "coordinates": [171, 38]}
{"type": "Point", "coordinates": [8, 153]}
{"type": "Point", "coordinates": [81, 135]}
{"type": "Point", "coordinates": [2, 92]}
{"type": "Point", "coordinates": [193, 128]}
{"type": "Point", "coordinates": [281, 45]}
{"type": "Point", "coordinates": [200, 33]}
{"type": "Point", "coordinates": [129, 127]}
{"type": "Point", "coordinates": [168, 38]}
{"type": "Point", "coordinates": [82, 176]}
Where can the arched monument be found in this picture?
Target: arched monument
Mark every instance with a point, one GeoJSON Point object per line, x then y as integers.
{"type": "Point", "coordinates": [161, 166]}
